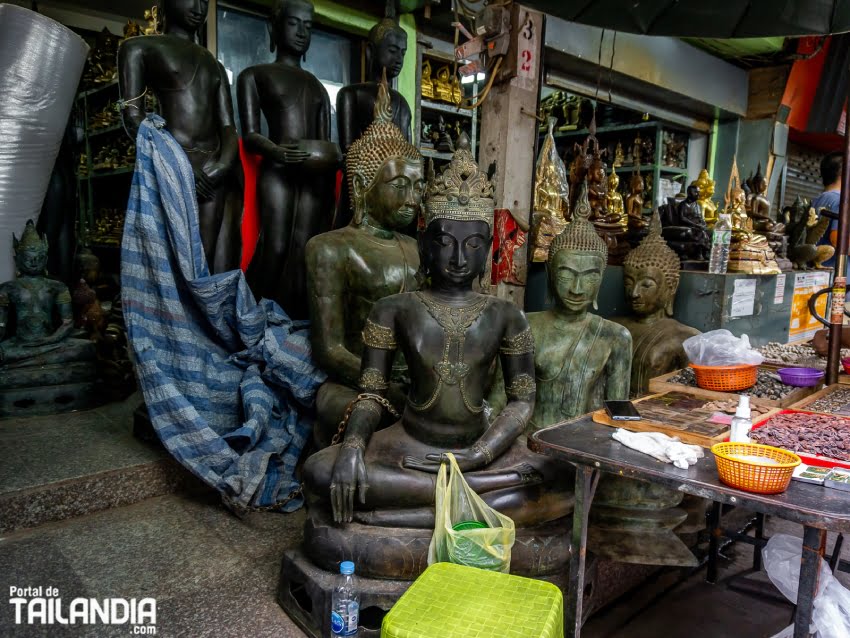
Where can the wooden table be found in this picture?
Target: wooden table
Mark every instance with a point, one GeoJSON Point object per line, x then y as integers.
{"type": "Point", "coordinates": [591, 449]}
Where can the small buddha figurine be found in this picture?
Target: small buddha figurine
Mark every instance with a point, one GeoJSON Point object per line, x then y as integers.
{"type": "Point", "coordinates": [684, 226]}
{"type": "Point", "coordinates": [758, 210]}
{"type": "Point", "coordinates": [351, 268]}
{"type": "Point", "coordinates": [619, 158]}
{"type": "Point", "coordinates": [651, 278]}
{"type": "Point", "coordinates": [444, 142]}
{"type": "Point", "coordinates": [443, 85]}
{"type": "Point", "coordinates": [634, 203]}
{"type": "Point", "coordinates": [706, 191]}
{"type": "Point", "coordinates": [427, 84]}
{"type": "Point", "coordinates": [615, 200]}
{"type": "Point", "coordinates": [551, 197]}
{"type": "Point", "coordinates": [378, 481]}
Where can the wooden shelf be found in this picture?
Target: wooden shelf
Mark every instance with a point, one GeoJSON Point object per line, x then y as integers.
{"type": "Point", "coordinates": [97, 89]}
{"type": "Point", "coordinates": [643, 168]}
{"type": "Point", "coordinates": [605, 129]}
{"type": "Point", "coordinates": [445, 108]}
{"type": "Point", "coordinates": [429, 152]}
{"type": "Point", "coordinates": [116, 171]}
{"type": "Point", "coordinates": [108, 129]}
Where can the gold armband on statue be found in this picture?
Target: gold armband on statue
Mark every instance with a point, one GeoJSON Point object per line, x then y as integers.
{"type": "Point", "coordinates": [485, 451]}
{"type": "Point", "coordinates": [376, 336]}
{"type": "Point", "coordinates": [522, 387]}
{"type": "Point", "coordinates": [522, 343]}
{"type": "Point", "coordinates": [372, 380]}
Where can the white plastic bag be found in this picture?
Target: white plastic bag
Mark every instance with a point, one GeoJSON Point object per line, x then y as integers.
{"type": "Point", "coordinates": [720, 348]}
{"type": "Point", "coordinates": [831, 617]}
{"type": "Point", "coordinates": [456, 503]}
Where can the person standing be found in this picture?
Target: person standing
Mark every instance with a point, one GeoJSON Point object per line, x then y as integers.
{"type": "Point", "coordinates": [830, 171]}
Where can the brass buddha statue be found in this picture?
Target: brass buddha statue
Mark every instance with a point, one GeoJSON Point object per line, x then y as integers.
{"type": "Point", "coordinates": [615, 199]}
{"type": "Point", "coordinates": [758, 207]}
{"type": "Point", "coordinates": [805, 229]}
{"type": "Point", "coordinates": [372, 496]}
{"type": "Point", "coordinates": [427, 84]}
{"type": "Point", "coordinates": [580, 361]}
{"type": "Point", "coordinates": [706, 187]}
{"type": "Point", "coordinates": [551, 197]}
{"type": "Point", "coordinates": [651, 279]}
{"type": "Point", "coordinates": [749, 252]}
{"type": "Point", "coordinates": [39, 359]}
{"type": "Point", "coordinates": [351, 268]}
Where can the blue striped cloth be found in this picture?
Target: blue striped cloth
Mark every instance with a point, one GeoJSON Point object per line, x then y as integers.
{"type": "Point", "coordinates": [229, 382]}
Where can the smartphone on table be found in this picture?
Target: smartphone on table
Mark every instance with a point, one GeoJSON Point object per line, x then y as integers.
{"type": "Point", "coordinates": [622, 411]}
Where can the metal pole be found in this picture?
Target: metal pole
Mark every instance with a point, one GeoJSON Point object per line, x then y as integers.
{"type": "Point", "coordinates": [839, 284]}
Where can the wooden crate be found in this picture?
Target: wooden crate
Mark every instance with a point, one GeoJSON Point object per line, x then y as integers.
{"type": "Point", "coordinates": [691, 423]}
{"type": "Point", "coordinates": [662, 384]}
{"type": "Point", "coordinates": [809, 400]}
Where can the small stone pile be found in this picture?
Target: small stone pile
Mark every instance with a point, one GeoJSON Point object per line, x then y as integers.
{"type": "Point", "coordinates": [802, 355]}
{"type": "Point", "coordinates": [768, 385]}
{"type": "Point", "coordinates": [836, 402]}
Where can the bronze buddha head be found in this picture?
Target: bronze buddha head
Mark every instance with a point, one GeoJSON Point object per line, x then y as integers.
{"type": "Point", "coordinates": [693, 193]}
{"type": "Point", "coordinates": [454, 248]}
{"type": "Point", "coordinates": [759, 181]}
{"type": "Point", "coordinates": [577, 259]}
{"type": "Point", "coordinates": [291, 26]}
{"type": "Point", "coordinates": [636, 183]}
{"type": "Point", "coordinates": [30, 251]}
{"type": "Point", "coordinates": [187, 14]}
{"type": "Point", "coordinates": [386, 45]}
{"type": "Point", "coordinates": [384, 171]}
{"type": "Point", "coordinates": [651, 275]}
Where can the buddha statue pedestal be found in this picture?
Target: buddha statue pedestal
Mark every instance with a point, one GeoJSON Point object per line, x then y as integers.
{"type": "Point", "coordinates": [43, 370]}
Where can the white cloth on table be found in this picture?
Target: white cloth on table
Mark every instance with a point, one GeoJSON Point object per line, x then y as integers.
{"type": "Point", "coordinates": [665, 448]}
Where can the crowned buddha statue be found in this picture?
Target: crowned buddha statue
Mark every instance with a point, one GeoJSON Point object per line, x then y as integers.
{"type": "Point", "coordinates": [684, 227]}
{"type": "Point", "coordinates": [615, 199]}
{"type": "Point", "coordinates": [551, 197]}
{"type": "Point", "coordinates": [351, 268]}
{"type": "Point", "coordinates": [580, 361]}
{"type": "Point", "coordinates": [651, 279]}
{"type": "Point", "coordinates": [43, 369]}
{"type": "Point", "coordinates": [805, 229]}
{"type": "Point", "coordinates": [295, 183]}
{"type": "Point", "coordinates": [749, 252]}
{"type": "Point", "coordinates": [372, 497]}
{"type": "Point", "coordinates": [427, 84]}
{"type": "Point", "coordinates": [706, 187]}
{"type": "Point", "coordinates": [386, 46]}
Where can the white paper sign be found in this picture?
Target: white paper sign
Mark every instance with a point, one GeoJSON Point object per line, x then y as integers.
{"type": "Point", "coordinates": [744, 298]}
{"type": "Point", "coordinates": [779, 295]}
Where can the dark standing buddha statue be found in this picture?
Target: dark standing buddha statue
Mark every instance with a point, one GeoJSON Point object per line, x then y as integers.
{"type": "Point", "coordinates": [295, 186]}
{"type": "Point", "coordinates": [193, 94]}
{"type": "Point", "coordinates": [385, 50]}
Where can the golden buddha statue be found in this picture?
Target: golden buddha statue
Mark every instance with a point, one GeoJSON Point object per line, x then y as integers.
{"type": "Point", "coordinates": [426, 83]}
{"type": "Point", "coordinates": [749, 252]}
{"type": "Point", "coordinates": [619, 158]}
{"type": "Point", "coordinates": [551, 195]}
{"type": "Point", "coordinates": [706, 191]}
{"type": "Point", "coordinates": [615, 199]}
{"type": "Point", "coordinates": [443, 85]}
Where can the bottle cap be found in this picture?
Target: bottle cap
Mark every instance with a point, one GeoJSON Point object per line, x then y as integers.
{"type": "Point", "coordinates": [346, 567]}
{"type": "Point", "coordinates": [743, 410]}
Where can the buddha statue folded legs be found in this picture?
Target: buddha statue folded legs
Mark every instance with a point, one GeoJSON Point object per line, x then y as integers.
{"type": "Point", "coordinates": [380, 485]}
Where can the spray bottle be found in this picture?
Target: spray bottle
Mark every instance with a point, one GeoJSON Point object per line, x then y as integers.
{"type": "Point", "coordinates": [742, 423]}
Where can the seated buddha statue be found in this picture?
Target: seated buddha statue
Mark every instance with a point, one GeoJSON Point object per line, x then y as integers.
{"type": "Point", "coordinates": [377, 488]}
{"type": "Point", "coordinates": [805, 229]}
{"type": "Point", "coordinates": [758, 207]}
{"type": "Point", "coordinates": [749, 252]}
{"type": "Point", "coordinates": [706, 187]}
{"type": "Point", "coordinates": [351, 268]}
{"type": "Point", "coordinates": [580, 361]}
{"type": "Point", "coordinates": [36, 325]}
{"type": "Point", "coordinates": [650, 279]}
{"type": "Point", "coordinates": [551, 197]}
{"type": "Point", "coordinates": [615, 199]}
{"type": "Point", "coordinates": [684, 227]}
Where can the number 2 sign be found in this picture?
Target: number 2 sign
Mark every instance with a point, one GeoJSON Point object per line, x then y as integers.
{"type": "Point", "coordinates": [527, 47]}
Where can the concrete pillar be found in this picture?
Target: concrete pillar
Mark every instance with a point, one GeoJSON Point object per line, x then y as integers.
{"type": "Point", "coordinates": [509, 134]}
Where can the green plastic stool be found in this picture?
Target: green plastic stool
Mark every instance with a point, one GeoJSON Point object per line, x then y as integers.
{"type": "Point", "coordinates": [453, 601]}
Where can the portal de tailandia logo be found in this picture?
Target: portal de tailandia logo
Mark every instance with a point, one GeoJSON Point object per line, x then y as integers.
{"type": "Point", "coordinates": [45, 606]}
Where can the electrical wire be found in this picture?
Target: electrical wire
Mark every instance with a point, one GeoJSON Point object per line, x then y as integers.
{"type": "Point", "coordinates": [486, 91]}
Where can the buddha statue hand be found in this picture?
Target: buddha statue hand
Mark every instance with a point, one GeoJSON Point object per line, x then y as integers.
{"type": "Point", "coordinates": [204, 185]}
{"type": "Point", "coordinates": [290, 154]}
{"type": "Point", "coordinates": [473, 458]}
{"type": "Point", "coordinates": [349, 476]}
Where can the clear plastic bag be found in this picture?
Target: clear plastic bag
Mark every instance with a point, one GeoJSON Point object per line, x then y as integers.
{"type": "Point", "coordinates": [720, 348]}
{"type": "Point", "coordinates": [552, 190]}
{"type": "Point", "coordinates": [457, 504]}
{"type": "Point", "coordinates": [831, 617]}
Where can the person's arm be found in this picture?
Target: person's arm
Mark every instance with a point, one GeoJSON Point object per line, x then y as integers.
{"type": "Point", "coordinates": [349, 473]}
{"type": "Point", "coordinates": [131, 84]}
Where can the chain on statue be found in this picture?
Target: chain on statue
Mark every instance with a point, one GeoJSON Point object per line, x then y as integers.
{"type": "Point", "coordinates": [366, 396]}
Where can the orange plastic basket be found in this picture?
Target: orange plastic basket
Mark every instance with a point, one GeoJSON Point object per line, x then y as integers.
{"type": "Point", "coordinates": [726, 378]}
{"type": "Point", "coordinates": [752, 476]}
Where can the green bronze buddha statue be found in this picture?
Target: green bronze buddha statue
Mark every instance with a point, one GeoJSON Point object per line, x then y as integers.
{"type": "Point", "coordinates": [39, 359]}
{"type": "Point", "coordinates": [580, 361]}
{"type": "Point", "coordinates": [351, 268]}
{"type": "Point", "coordinates": [372, 497]}
{"type": "Point", "coordinates": [651, 278]}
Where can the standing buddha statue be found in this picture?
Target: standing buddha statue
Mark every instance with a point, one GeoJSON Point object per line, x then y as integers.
{"type": "Point", "coordinates": [351, 268]}
{"type": "Point", "coordinates": [551, 197]}
{"type": "Point", "coordinates": [706, 187]}
{"type": "Point", "coordinates": [651, 279]}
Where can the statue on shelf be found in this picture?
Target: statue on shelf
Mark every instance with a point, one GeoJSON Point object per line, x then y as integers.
{"type": "Point", "coordinates": [618, 156]}
{"type": "Point", "coordinates": [551, 197]}
{"type": "Point", "coordinates": [443, 85]}
{"type": "Point", "coordinates": [443, 143]}
{"type": "Point", "coordinates": [580, 361]}
{"type": "Point", "coordinates": [427, 84]}
{"type": "Point", "coordinates": [758, 210]}
{"type": "Point", "coordinates": [684, 227]}
{"type": "Point", "coordinates": [651, 278]}
{"type": "Point", "coordinates": [40, 361]}
{"type": "Point", "coordinates": [295, 185]}
{"type": "Point", "coordinates": [706, 191]}
{"type": "Point", "coordinates": [615, 199]}
{"type": "Point", "coordinates": [351, 268]}
{"type": "Point", "coordinates": [386, 47]}
{"type": "Point", "coordinates": [805, 229]}
{"type": "Point", "coordinates": [193, 93]}
{"type": "Point", "coordinates": [379, 485]}
{"type": "Point", "coordinates": [749, 252]}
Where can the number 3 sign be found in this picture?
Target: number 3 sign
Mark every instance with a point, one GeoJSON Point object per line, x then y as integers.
{"type": "Point", "coordinates": [528, 45]}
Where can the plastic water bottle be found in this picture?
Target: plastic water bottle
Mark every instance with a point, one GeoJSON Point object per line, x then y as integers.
{"type": "Point", "coordinates": [345, 610]}
{"type": "Point", "coordinates": [720, 240]}
{"type": "Point", "coordinates": [741, 422]}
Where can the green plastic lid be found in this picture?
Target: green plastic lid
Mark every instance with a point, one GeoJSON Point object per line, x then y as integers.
{"type": "Point", "coordinates": [465, 525]}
